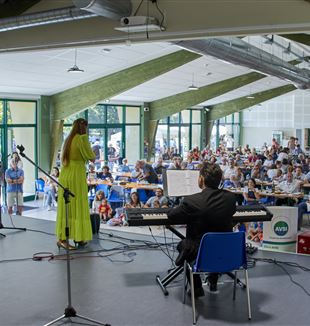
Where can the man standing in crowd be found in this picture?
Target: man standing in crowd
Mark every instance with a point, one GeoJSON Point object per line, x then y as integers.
{"type": "Point", "coordinates": [14, 178]}
{"type": "Point", "coordinates": [148, 171]}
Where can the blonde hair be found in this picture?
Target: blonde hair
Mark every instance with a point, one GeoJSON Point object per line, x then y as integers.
{"type": "Point", "coordinates": [78, 127]}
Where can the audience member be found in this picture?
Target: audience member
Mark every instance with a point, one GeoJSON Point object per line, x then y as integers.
{"type": "Point", "coordinates": [159, 200]}
{"type": "Point", "coordinates": [14, 178]}
{"type": "Point", "coordinates": [50, 189]}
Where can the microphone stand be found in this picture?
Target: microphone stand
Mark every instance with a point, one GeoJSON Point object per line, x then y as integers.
{"type": "Point", "coordinates": [69, 310]}
{"type": "Point", "coordinates": [4, 227]}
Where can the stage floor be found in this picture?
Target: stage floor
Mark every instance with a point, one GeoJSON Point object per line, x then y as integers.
{"type": "Point", "coordinates": [113, 281]}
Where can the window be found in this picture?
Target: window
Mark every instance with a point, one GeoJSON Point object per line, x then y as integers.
{"type": "Point", "coordinates": [181, 130]}
{"type": "Point", "coordinates": [20, 112]}
{"type": "Point", "coordinates": [114, 114]}
{"type": "Point", "coordinates": [133, 114]}
{"type": "Point", "coordinates": [97, 114]}
{"type": "Point", "coordinates": [106, 126]}
{"type": "Point", "coordinates": [18, 127]}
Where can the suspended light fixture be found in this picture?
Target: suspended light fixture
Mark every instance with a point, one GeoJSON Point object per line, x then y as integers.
{"type": "Point", "coordinates": [75, 68]}
{"type": "Point", "coordinates": [250, 96]}
{"type": "Point", "coordinates": [193, 87]}
{"type": "Point", "coordinates": [269, 40]}
{"type": "Point", "coordinates": [288, 49]}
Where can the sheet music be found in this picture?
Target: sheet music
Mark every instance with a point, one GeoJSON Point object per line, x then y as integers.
{"type": "Point", "coordinates": [181, 182]}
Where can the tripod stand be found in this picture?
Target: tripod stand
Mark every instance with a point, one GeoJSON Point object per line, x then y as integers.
{"type": "Point", "coordinates": [69, 310]}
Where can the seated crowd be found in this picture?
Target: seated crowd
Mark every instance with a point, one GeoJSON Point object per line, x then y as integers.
{"type": "Point", "coordinates": [249, 172]}
{"type": "Point", "coordinates": [272, 175]}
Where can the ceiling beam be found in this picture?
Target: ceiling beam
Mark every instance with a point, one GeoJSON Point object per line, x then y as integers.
{"type": "Point", "coordinates": [183, 20]}
{"type": "Point", "coordinates": [300, 38]}
{"type": "Point", "coordinates": [80, 97]}
{"type": "Point", "coordinates": [167, 106]}
{"type": "Point", "coordinates": [224, 109]}
{"type": "Point", "coordinates": [16, 7]}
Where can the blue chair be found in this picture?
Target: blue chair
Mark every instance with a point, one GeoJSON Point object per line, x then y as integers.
{"type": "Point", "coordinates": [142, 195]}
{"type": "Point", "coordinates": [104, 188]}
{"type": "Point", "coordinates": [116, 197]}
{"type": "Point", "coordinates": [39, 188]}
{"type": "Point", "coordinates": [219, 252]}
{"type": "Point", "coordinates": [228, 184]}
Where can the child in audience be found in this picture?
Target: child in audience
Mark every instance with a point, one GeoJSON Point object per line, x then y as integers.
{"type": "Point", "coordinates": [99, 197]}
{"type": "Point", "coordinates": [105, 210]}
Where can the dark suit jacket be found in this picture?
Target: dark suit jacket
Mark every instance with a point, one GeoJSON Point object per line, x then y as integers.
{"type": "Point", "coordinates": [211, 210]}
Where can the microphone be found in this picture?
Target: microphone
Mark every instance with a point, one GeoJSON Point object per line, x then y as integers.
{"type": "Point", "coordinates": [21, 149]}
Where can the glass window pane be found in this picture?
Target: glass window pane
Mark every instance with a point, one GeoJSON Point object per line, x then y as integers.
{"type": "Point", "coordinates": [132, 114]}
{"type": "Point", "coordinates": [236, 117]}
{"type": "Point", "coordinates": [184, 141]}
{"type": "Point", "coordinates": [1, 111]}
{"type": "Point", "coordinates": [174, 138]}
{"type": "Point", "coordinates": [25, 136]}
{"type": "Point", "coordinates": [132, 143]}
{"type": "Point", "coordinates": [196, 116]}
{"type": "Point", "coordinates": [164, 120]}
{"type": "Point", "coordinates": [73, 117]}
{"type": "Point", "coordinates": [175, 118]}
{"type": "Point", "coordinates": [21, 112]}
{"type": "Point", "coordinates": [161, 140]}
{"type": "Point", "coordinates": [185, 116]}
{"type": "Point", "coordinates": [96, 139]}
{"type": "Point", "coordinates": [236, 136]}
{"type": "Point", "coordinates": [114, 114]}
{"type": "Point", "coordinates": [115, 147]}
{"type": "Point", "coordinates": [96, 114]}
{"type": "Point", "coordinates": [229, 119]}
{"type": "Point", "coordinates": [66, 131]}
{"type": "Point", "coordinates": [196, 136]}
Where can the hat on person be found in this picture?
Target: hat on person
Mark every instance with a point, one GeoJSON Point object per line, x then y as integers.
{"type": "Point", "coordinates": [133, 190]}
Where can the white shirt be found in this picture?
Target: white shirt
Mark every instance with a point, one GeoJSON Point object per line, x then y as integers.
{"type": "Point", "coordinates": [281, 156]}
{"type": "Point", "coordinates": [290, 187]}
{"type": "Point", "coordinates": [268, 163]}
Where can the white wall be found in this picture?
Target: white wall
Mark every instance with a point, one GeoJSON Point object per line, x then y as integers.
{"type": "Point", "coordinates": [257, 136]}
{"type": "Point", "coordinates": [285, 113]}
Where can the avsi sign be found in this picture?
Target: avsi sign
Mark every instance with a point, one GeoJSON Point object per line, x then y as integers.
{"type": "Point", "coordinates": [280, 228]}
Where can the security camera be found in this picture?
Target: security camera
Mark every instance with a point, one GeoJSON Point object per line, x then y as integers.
{"type": "Point", "coordinates": [125, 21]}
{"type": "Point", "coordinates": [146, 109]}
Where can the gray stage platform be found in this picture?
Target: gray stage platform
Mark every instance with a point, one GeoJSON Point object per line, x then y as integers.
{"type": "Point", "coordinates": [120, 292]}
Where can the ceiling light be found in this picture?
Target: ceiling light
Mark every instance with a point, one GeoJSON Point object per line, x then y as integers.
{"type": "Point", "coordinates": [269, 40]}
{"type": "Point", "coordinates": [288, 49]}
{"type": "Point", "coordinates": [250, 97]}
{"type": "Point", "coordinates": [75, 68]}
{"type": "Point", "coordinates": [106, 50]}
{"type": "Point", "coordinates": [193, 87]}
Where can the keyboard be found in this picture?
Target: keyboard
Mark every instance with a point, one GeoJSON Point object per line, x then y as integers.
{"type": "Point", "coordinates": [158, 216]}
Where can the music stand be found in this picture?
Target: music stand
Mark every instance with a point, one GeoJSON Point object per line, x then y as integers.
{"type": "Point", "coordinates": [69, 310]}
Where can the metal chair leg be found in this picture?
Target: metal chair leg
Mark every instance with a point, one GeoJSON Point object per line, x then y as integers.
{"type": "Point", "coordinates": [184, 280]}
{"type": "Point", "coordinates": [248, 293]}
{"type": "Point", "coordinates": [235, 284]}
{"type": "Point", "coordinates": [192, 295]}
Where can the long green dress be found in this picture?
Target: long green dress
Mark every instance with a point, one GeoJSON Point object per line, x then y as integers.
{"type": "Point", "coordinates": [73, 177]}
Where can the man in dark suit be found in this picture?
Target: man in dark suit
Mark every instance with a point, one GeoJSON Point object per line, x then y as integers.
{"type": "Point", "coordinates": [211, 210]}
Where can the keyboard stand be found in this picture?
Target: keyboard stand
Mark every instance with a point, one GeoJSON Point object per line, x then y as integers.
{"type": "Point", "coordinates": [178, 270]}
